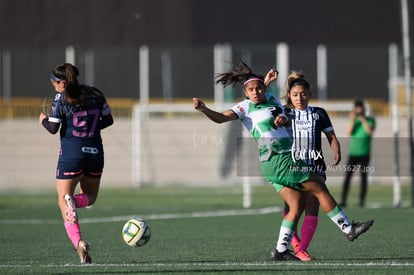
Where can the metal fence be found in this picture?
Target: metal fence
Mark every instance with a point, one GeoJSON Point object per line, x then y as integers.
{"type": "Point", "coordinates": [184, 71]}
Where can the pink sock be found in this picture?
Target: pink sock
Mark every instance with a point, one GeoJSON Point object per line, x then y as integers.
{"type": "Point", "coordinates": [310, 223]}
{"type": "Point", "coordinates": [81, 200]}
{"type": "Point", "coordinates": [74, 233]}
{"type": "Point", "coordinates": [295, 238]}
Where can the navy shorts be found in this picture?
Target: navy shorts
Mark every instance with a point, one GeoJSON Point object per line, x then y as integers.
{"type": "Point", "coordinates": [90, 165]}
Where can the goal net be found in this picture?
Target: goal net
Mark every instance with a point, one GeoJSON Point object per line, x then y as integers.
{"type": "Point", "coordinates": [175, 144]}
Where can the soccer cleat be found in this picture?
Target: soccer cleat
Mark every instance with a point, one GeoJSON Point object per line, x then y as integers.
{"type": "Point", "coordinates": [83, 249]}
{"type": "Point", "coordinates": [357, 229]}
{"type": "Point", "coordinates": [303, 256]}
{"type": "Point", "coordinates": [71, 215]}
{"type": "Point", "coordinates": [283, 256]}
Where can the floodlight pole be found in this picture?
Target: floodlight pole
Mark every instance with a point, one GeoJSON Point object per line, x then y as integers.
{"type": "Point", "coordinates": [70, 55]}
{"type": "Point", "coordinates": [407, 78]}
{"type": "Point", "coordinates": [282, 65]}
{"type": "Point", "coordinates": [392, 86]}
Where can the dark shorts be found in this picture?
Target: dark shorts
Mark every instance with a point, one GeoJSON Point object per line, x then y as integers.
{"type": "Point", "coordinates": [89, 165]}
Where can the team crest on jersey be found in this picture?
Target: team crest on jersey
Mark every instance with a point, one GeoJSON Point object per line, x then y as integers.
{"type": "Point", "coordinates": [57, 96]}
{"type": "Point", "coordinates": [315, 116]}
{"type": "Point", "coordinates": [241, 109]}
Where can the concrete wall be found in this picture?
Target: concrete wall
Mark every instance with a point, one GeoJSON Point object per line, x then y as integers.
{"type": "Point", "coordinates": [182, 151]}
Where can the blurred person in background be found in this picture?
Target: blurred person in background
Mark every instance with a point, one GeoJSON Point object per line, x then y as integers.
{"type": "Point", "coordinates": [80, 112]}
{"type": "Point", "coordinates": [360, 130]}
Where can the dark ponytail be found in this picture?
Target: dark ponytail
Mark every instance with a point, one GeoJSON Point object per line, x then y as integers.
{"type": "Point", "coordinates": [238, 74]}
{"type": "Point", "coordinates": [69, 73]}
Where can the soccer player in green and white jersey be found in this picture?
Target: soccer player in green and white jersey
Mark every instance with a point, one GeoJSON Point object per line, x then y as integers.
{"type": "Point", "coordinates": [262, 114]}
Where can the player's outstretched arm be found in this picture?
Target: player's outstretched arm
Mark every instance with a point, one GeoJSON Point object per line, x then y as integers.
{"type": "Point", "coordinates": [217, 117]}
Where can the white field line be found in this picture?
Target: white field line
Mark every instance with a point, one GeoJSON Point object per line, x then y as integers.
{"type": "Point", "coordinates": [227, 264]}
{"type": "Point", "coordinates": [218, 213]}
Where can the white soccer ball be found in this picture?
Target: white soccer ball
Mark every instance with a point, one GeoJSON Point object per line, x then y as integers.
{"type": "Point", "coordinates": [136, 232]}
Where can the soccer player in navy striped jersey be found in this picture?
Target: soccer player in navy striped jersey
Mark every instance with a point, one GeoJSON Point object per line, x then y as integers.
{"type": "Point", "coordinates": [81, 112]}
{"type": "Point", "coordinates": [307, 124]}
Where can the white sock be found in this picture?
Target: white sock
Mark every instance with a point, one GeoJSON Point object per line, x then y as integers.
{"type": "Point", "coordinates": [285, 236]}
{"type": "Point", "coordinates": [338, 216]}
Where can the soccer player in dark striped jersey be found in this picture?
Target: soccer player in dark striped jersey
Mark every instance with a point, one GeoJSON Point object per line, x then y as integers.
{"type": "Point", "coordinates": [81, 112]}
{"type": "Point", "coordinates": [307, 125]}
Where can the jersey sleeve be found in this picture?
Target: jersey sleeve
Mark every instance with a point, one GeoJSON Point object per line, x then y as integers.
{"type": "Point", "coordinates": [240, 109]}
{"type": "Point", "coordinates": [51, 127]}
{"type": "Point", "coordinates": [278, 105]}
{"type": "Point", "coordinates": [326, 121]}
{"type": "Point", "coordinates": [106, 109]}
{"type": "Point", "coordinates": [56, 109]}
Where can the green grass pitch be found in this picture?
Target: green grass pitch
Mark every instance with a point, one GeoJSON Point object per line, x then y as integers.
{"type": "Point", "coordinates": [200, 231]}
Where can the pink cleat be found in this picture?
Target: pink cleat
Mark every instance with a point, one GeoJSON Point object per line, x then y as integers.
{"type": "Point", "coordinates": [83, 249]}
{"type": "Point", "coordinates": [303, 256]}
